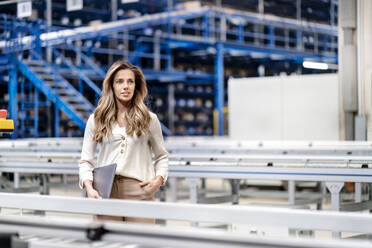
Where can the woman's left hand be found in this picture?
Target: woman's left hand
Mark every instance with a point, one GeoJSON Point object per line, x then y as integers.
{"type": "Point", "coordinates": [153, 185]}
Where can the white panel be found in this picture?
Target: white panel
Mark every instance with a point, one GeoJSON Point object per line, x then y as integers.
{"type": "Point", "coordinates": [254, 112]}
{"type": "Point", "coordinates": [74, 5]}
{"type": "Point", "coordinates": [301, 107]}
{"type": "Point", "coordinates": [310, 106]}
{"type": "Point", "coordinates": [24, 9]}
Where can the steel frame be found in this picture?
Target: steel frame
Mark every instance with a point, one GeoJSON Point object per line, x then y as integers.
{"type": "Point", "coordinates": [228, 38]}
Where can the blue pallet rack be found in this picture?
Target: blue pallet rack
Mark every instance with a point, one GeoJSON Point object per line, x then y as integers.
{"type": "Point", "coordinates": [154, 41]}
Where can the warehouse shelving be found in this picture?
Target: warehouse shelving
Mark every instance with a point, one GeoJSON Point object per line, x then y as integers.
{"type": "Point", "coordinates": [198, 47]}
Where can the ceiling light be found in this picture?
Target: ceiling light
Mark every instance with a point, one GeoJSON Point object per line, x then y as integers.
{"type": "Point", "coordinates": [315, 65]}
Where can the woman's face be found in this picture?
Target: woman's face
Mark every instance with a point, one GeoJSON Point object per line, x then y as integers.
{"type": "Point", "coordinates": [124, 85]}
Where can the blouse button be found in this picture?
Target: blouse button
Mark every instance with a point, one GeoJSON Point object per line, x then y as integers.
{"type": "Point", "coordinates": [121, 151]}
{"type": "Point", "coordinates": [122, 145]}
{"type": "Point", "coordinates": [123, 137]}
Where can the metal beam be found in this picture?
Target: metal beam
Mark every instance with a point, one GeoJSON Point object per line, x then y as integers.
{"type": "Point", "coordinates": [12, 89]}
{"type": "Point", "coordinates": [70, 233]}
{"type": "Point", "coordinates": [277, 217]}
{"type": "Point", "coordinates": [219, 88]}
{"type": "Point", "coordinates": [59, 37]}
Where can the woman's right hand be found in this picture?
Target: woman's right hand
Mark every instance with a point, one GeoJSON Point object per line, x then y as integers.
{"type": "Point", "coordinates": [91, 192]}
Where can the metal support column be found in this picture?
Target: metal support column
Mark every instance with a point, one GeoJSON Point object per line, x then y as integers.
{"type": "Point", "coordinates": [316, 43]}
{"type": "Point", "coordinates": [168, 60]}
{"type": "Point", "coordinates": [261, 7]}
{"type": "Point", "coordinates": [299, 32]}
{"type": "Point", "coordinates": [235, 186]}
{"type": "Point", "coordinates": [360, 132]}
{"type": "Point", "coordinates": [113, 36]}
{"type": "Point", "coordinates": [48, 14]}
{"type": "Point", "coordinates": [299, 40]}
{"type": "Point", "coordinates": [223, 27]}
{"type": "Point", "coordinates": [240, 33]}
{"type": "Point", "coordinates": [298, 10]}
{"type": "Point", "coordinates": [44, 184]}
{"type": "Point", "coordinates": [205, 24]}
{"type": "Point", "coordinates": [219, 87]}
{"type": "Point", "coordinates": [12, 91]}
{"type": "Point", "coordinates": [22, 111]}
{"type": "Point", "coordinates": [126, 45]}
{"type": "Point", "coordinates": [335, 188]}
{"type": "Point", "coordinates": [258, 28]}
{"type": "Point", "coordinates": [169, 25]}
{"type": "Point", "coordinates": [173, 188]}
{"type": "Point", "coordinates": [171, 103]}
{"type": "Point", "coordinates": [332, 13]}
{"type": "Point", "coordinates": [156, 65]}
{"type": "Point", "coordinates": [37, 33]}
{"type": "Point", "coordinates": [193, 186]}
{"type": "Point", "coordinates": [347, 67]}
{"type": "Point", "coordinates": [291, 192]}
{"type": "Point", "coordinates": [370, 194]}
{"type": "Point", "coordinates": [78, 44]}
{"type": "Point", "coordinates": [16, 180]}
{"type": "Point", "coordinates": [358, 192]}
{"type": "Point", "coordinates": [271, 36]}
{"type": "Point", "coordinates": [36, 113]}
{"type": "Point", "coordinates": [56, 121]}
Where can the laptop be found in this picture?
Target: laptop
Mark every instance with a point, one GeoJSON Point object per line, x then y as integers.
{"type": "Point", "coordinates": [103, 178]}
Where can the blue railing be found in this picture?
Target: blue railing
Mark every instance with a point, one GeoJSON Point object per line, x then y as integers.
{"type": "Point", "coordinates": [79, 73]}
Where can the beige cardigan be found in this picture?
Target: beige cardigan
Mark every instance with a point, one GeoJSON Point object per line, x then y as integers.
{"type": "Point", "coordinates": [132, 154]}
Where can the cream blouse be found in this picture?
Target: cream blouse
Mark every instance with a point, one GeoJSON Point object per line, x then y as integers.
{"type": "Point", "coordinates": [132, 154]}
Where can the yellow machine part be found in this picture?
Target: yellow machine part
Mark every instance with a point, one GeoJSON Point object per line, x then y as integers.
{"type": "Point", "coordinates": [5, 125]}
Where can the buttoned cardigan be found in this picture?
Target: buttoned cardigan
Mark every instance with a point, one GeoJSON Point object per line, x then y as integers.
{"type": "Point", "coordinates": [132, 154]}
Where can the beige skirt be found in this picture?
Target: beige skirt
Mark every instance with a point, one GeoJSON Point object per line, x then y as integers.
{"type": "Point", "coordinates": [128, 189]}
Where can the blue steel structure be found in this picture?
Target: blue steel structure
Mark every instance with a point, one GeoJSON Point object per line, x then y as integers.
{"type": "Point", "coordinates": [197, 47]}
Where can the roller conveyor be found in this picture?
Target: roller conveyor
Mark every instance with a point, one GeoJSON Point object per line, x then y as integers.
{"type": "Point", "coordinates": [49, 156]}
{"type": "Point", "coordinates": [122, 235]}
{"type": "Point", "coordinates": [334, 171]}
{"type": "Point", "coordinates": [227, 146]}
{"type": "Point", "coordinates": [215, 146]}
{"type": "Point", "coordinates": [351, 168]}
{"type": "Point", "coordinates": [78, 229]}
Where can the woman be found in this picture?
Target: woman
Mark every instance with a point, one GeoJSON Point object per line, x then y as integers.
{"type": "Point", "coordinates": [126, 132]}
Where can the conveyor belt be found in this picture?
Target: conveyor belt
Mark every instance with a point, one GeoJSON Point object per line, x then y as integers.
{"type": "Point", "coordinates": [333, 170]}
{"type": "Point", "coordinates": [208, 145]}
{"type": "Point", "coordinates": [224, 214]}
{"type": "Point", "coordinates": [303, 168]}
{"type": "Point", "coordinates": [51, 232]}
{"type": "Point", "coordinates": [50, 156]}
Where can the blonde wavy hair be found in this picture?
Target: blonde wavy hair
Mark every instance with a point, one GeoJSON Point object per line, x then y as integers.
{"type": "Point", "coordinates": [138, 115]}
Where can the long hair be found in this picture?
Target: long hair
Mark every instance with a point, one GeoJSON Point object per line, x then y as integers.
{"type": "Point", "coordinates": [137, 117]}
